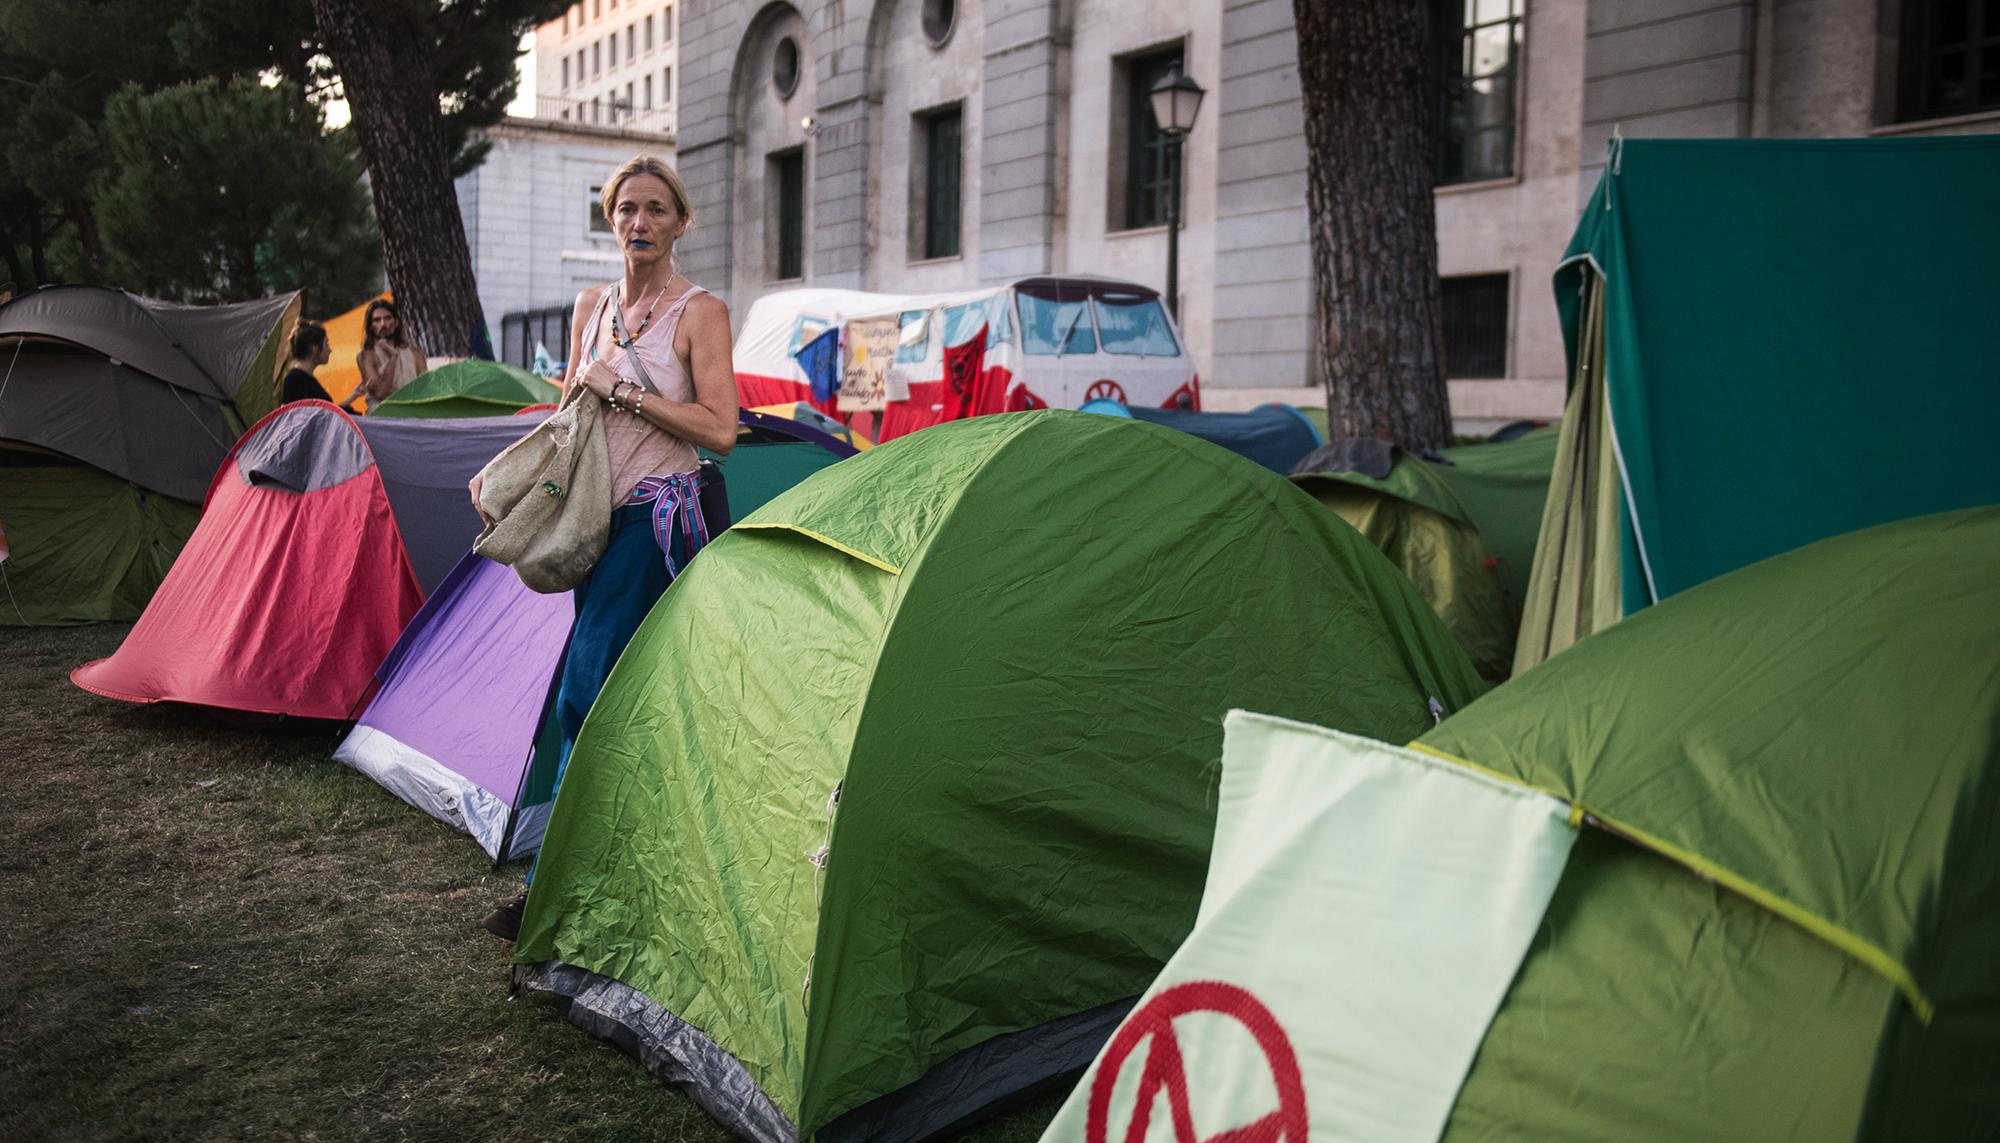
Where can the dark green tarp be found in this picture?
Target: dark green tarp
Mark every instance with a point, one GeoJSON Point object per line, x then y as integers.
{"type": "Point", "coordinates": [981, 685]}
{"type": "Point", "coordinates": [1783, 917]}
{"type": "Point", "coordinates": [1782, 340]}
{"type": "Point", "coordinates": [83, 545]}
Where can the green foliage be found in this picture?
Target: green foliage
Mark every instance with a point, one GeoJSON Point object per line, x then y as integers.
{"type": "Point", "coordinates": [62, 63]}
{"type": "Point", "coordinates": [281, 204]}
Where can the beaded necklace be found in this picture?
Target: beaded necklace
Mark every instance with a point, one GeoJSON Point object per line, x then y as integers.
{"type": "Point", "coordinates": [626, 343]}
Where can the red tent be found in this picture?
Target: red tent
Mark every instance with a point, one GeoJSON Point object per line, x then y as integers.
{"type": "Point", "coordinates": [298, 579]}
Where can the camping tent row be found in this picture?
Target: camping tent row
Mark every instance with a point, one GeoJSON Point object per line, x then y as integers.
{"type": "Point", "coordinates": [115, 411]}
{"type": "Point", "coordinates": [462, 726]}
{"type": "Point", "coordinates": [1050, 342]}
{"type": "Point", "coordinates": [1724, 871]}
{"type": "Point", "coordinates": [906, 838]}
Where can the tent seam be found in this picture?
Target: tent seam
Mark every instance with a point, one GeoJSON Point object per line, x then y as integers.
{"type": "Point", "coordinates": [1844, 939]}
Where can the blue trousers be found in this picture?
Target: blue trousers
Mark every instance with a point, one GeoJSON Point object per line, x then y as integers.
{"type": "Point", "coordinates": [610, 604]}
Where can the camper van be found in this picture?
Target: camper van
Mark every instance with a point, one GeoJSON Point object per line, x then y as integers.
{"type": "Point", "coordinates": [1051, 342]}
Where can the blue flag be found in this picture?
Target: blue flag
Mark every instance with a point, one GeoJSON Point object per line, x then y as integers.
{"type": "Point", "coordinates": [820, 358]}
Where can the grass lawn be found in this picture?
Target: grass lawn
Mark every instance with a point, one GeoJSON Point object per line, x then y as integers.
{"type": "Point", "coordinates": [216, 931]}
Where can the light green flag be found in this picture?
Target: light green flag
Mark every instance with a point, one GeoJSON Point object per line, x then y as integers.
{"type": "Point", "coordinates": [1365, 908]}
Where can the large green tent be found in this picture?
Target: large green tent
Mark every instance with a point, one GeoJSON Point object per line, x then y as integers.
{"type": "Point", "coordinates": [470, 388]}
{"type": "Point", "coordinates": [905, 837]}
{"type": "Point", "coordinates": [1727, 870]}
{"type": "Point", "coordinates": [1770, 342]}
{"type": "Point", "coordinates": [115, 412]}
{"type": "Point", "coordinates": [1503, 487]}
{"type": "Point", "coordinates": [1784, 919]}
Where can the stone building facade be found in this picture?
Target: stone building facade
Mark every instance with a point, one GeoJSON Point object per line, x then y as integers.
{"type": "Point", "coordinates": [814, 133]}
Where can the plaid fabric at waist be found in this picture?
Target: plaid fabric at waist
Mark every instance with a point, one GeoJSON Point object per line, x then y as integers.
{"type": "Point", "coordinates": [676, 501]}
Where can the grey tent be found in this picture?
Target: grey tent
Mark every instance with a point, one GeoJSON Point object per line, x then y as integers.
{"type": "Point", "coordinates": [115, 411]}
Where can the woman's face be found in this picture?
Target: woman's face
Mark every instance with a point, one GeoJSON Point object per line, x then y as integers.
{"type": "Point", "coordinates": [645, 219]}
{"type": "Point", "coordinates": [383, 323]}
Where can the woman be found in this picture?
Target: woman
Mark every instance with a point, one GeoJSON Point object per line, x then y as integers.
{"type": "Point", "coordinates": [653, 325]}
{"type": "Point", "coordinates": [390, 358]}
{"type": "Point", "coordinates": [310, 350]}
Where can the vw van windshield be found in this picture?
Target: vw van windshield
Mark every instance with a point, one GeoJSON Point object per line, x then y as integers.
{"type": "Point", "coordinates": [1134, 324]}
{"type": "Point", "coordinates": [1053, 328]}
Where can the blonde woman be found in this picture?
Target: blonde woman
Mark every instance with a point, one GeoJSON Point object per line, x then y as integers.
{"type": "Point", "coordinates": [655, 348]}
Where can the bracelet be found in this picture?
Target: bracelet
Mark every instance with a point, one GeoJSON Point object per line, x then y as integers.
{"type": "Point", "coordinates": [612, 398]}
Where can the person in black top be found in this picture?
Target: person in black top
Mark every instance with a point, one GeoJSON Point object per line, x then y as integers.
{"type": "Point", "coordinates": [310, 350]}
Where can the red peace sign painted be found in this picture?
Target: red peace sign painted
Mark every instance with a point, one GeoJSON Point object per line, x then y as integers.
{"type": "Point", "coordinates": [1166, 1069]}
{"type": "Point", "coordinates": [1106, 388]}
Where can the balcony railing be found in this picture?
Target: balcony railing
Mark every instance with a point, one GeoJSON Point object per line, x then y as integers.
{"type": "Point", "coordinates": [608, 111]}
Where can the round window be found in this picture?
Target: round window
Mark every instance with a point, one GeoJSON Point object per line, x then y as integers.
{"type": "Point", "coordinates": [785, 67]}
{"type": "Point", "coordinates": [938, 18]}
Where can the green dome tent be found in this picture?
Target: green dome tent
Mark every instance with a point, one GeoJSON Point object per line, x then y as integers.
{"type": "Point", "coordinates": [1416, 520]}
{"type": "Point", "coordinates": [470, 388]}
{"type": "Point", "coordinates": [1785, 926]}
{"type": "Point", "coordinates": [904, 838]}
{"type": "Point", "coordinates": [1727, 870]}
{"type": "Point", "coordinates": [115, 412]}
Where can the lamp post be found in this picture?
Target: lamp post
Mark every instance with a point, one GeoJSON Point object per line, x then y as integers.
{"type": "Point", "coordinates": [1176, 99]}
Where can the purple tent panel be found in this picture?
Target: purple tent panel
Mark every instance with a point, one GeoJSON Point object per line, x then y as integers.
{"type": "Point", "coordinates": [452, 729]}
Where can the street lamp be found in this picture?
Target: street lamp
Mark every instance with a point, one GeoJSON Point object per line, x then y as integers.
{"type": "Point", "coordinates": [1176, 99]}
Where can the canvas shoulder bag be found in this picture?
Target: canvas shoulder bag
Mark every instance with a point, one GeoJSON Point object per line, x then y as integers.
{"type": "Point", "coordinates": [548, 497]}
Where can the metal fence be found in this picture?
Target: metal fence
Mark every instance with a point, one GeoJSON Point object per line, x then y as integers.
{"type": "Point", "coordinates": [519, 333]}
{"type": "Point", "coordinates": [610, 111]}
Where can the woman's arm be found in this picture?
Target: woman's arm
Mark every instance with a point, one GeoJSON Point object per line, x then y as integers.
{"type": "Point", "coordinates": [709, 420]}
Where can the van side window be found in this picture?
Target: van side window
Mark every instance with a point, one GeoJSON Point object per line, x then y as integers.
{"type": "Point", "coordinates": [805, 329]}
{"type": "Point", "coordinates": [914, 337]}
{"type": "Point", "coordinates": [1134, 324]}
{"type": "Point", "coordinates": [1052, 328]}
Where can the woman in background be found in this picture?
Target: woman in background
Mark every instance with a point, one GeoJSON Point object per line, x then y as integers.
{"type": "Point", "coordinates": [390, 358]}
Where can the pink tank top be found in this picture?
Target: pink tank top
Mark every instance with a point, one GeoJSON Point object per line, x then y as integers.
{"type": "Point", "coordinates": [639, 448]}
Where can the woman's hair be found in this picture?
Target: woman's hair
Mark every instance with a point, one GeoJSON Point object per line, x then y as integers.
{"type": "Point", "coordinates": [369, 339]}
{"type": "Point", "coordinates": [647, 165]}
{"type": "Point", "coordinates": [307, 339]}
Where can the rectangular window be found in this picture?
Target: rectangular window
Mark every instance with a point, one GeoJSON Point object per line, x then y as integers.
{"type": "Point", "coordinates": [667, 86]}
{"type": "Point", "coordinates": [942, 134]}
{"type": "Point", "coordinates": [565, 72]}
{"type": "Point", "coordinates": [649, 33]}
{"type": "Point", "coordinates": [667, 25]}
{"type": "Point", "coordinates": [597, 58]}
{"type": "Point", "coordinates": [649, 93]}
{"type": "Point", "coordinates": [597, 9]}
{"type": "Point", "coordinates": [579, 65]}
{"type": "Point", "coordinates": [565, 21]}
{"type": "Point", "coordinates": [1475, 326]}
{"type": "Point", "coordinates": [631, 37]}
{"type": "Point", "coordinates": [1948, 60]}
{"type": "Point", "coordinates": [598, 224]}
{"type": "Point", "coordinates": [628, 100]}
{"type": "Point", "coordinates": [1477, 65]}
{"type": "Point", "coordinates": [612, 52]}
{"type": "Point", "coordinates": [1149, 161]}
{"type": "Point", "coordinates": [788, 184]}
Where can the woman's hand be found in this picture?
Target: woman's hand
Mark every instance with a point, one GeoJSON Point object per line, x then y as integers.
{"type": "Point", "coordinates": [599, 378]}
{"type": "Point", "coordinates": [473, 488]}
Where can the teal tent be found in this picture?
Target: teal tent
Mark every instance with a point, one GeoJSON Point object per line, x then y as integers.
{"type": "Point", "coordinates": [1770, 342]}
{"type": "Point", "coordinates": [904, 836]}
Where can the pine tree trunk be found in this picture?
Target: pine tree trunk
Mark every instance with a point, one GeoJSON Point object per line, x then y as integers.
{"type": "Point", "coordinates": [1369, 170]}
{"type": "Point", "coordinates": [379, 48]}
